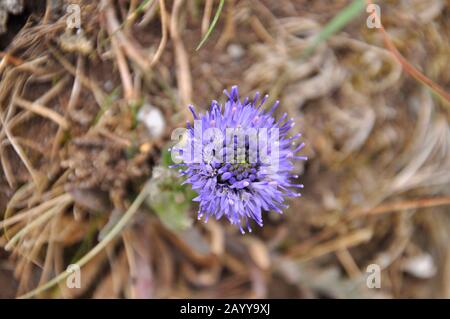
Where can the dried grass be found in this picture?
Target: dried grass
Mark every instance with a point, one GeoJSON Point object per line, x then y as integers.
{"type": "Point", "coordinates": [73, 158]}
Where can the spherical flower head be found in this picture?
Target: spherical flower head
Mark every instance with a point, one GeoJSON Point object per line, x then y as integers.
{"type": "Point", "coordinates": [242, 162]}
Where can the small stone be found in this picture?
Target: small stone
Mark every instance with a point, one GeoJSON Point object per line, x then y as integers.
{"type": "Point", "coordinates": [235, 51]}
{"type": "Point", "coordinates": [145, 148]}
{"type": "Point", "coordinates": [153, 119]}
{"type": "Point", "coordinates": [420, 266]}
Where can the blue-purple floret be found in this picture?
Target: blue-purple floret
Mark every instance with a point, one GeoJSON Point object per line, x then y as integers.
{"type": "Point", "coordinates": [243, 191]}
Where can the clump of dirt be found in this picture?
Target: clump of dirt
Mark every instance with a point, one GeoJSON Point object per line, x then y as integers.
{"type": "Point", "coordinates": [100, 163]}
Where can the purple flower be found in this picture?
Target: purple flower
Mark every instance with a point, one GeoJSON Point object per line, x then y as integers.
{"type": "Point", "coordinates": [245, 160]}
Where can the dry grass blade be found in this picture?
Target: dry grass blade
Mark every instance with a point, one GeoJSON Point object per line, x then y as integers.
{"type": "Point", "coordinates": [34, 174]}
{"type": "Point", "coordinates": [410, 69]}
{"type": "Point", "coordinates": [165, 33]}
{"type": "Point", "coordinates": [353, 239]}
{"type": "Point", "coordinates": [100, 96]}
{"type": "Point", "coordinates": [403, 205]}
{"type": "Point", "coordinates": [184, 77]}
{"type": "Point", "coordinates": [43, 111]}
{"type": "Point", "coordinates": [33, 212]}
{"type": "Point", "coordinates": [58, 207]}
{"type": "Point", "coordinates": [115, 231]}
{"type": "Point", "coordinates": [74, 153]}
{"type": "Point", "coordinates": [7, 58]}
{"type": "Point", "coordinates": [206, 16]}
{"type": "Point", "coordinates": [212, 26]}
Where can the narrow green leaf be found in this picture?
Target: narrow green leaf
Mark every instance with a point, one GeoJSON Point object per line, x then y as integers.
{"type": "Point", "coordinates": [335, 25]}
{"type": "Point", "coordinates": [212, 26]}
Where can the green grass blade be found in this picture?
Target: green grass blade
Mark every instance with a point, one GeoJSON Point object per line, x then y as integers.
{"type": "Point", "coordinates": [335, 25]}
{"type": "Point", "coordinates": [212, 25]}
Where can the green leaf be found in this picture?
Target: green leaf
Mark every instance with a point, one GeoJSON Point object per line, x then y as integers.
{"type": "Point", "coordinates": [166, 157]}
{"type": "Point", "coordinates": [212, 26]}
{"type": "Point", "coordinates": [335, 25]}
{"type": "Point", "coordinates": [170, 200]}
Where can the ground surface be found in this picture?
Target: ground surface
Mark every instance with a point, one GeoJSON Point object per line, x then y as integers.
{"type": "Point", "coordinates": [74, 154]}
